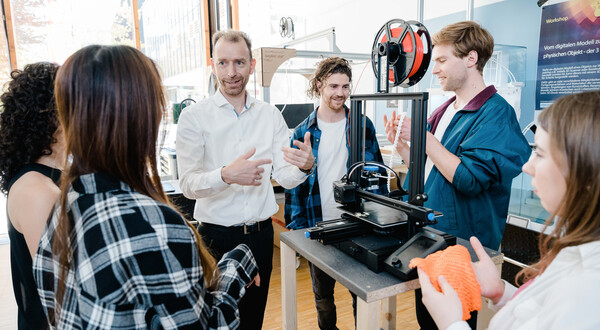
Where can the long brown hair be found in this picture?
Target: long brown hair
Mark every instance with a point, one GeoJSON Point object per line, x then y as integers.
{"type": "Point", "coordinates": [110, 103]}
{"type": "Point", "coordinates": [573, 125]}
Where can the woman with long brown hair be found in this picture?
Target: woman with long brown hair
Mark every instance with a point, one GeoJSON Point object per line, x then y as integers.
{"type": "Point", "coordinates": [561, 290]}
{"type": "Point", "coordinates": [115, 254]}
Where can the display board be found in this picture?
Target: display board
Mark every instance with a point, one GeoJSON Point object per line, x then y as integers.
{"type": "Point", "coordinates": [569, 50]}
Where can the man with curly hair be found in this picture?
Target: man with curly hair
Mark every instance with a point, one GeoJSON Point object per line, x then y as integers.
{"type": "Point", "coordinates": [32, 156]}
{"type": "Point", "coordinates": [312, 201]}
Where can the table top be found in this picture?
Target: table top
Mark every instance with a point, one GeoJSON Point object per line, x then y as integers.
{"type": "Point", "coordinates": [171, 187]}
{"type": "Point", "coordinates": [353, 274]}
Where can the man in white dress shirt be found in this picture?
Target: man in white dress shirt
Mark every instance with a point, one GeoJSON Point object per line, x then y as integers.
{"type": "Point", "coordinates": [228, 147]}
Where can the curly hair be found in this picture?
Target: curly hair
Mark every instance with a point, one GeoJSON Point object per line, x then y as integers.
{"type": "Point", "coordinates": [28, 119]}
{"type": "Point", "coordinates": [326, 68]}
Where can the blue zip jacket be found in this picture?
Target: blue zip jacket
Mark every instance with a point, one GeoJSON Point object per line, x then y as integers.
{"type": "Point", "coordinates": [486, 136]}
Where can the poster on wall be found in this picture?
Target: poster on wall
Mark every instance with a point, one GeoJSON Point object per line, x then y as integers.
{"type": "Point", "coordinates": [569, 52]}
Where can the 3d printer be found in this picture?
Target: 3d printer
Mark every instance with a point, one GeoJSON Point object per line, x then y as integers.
{"type": "Point", "coordinates": [385, 232]}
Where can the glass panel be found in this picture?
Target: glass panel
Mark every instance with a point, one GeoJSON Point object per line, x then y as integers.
{"type": "Point", "coordinates": [4, 60]}
{"type": "Point", "coordinates": [171, 34]}
{"type": "Point", "coordinates": [51, 30]}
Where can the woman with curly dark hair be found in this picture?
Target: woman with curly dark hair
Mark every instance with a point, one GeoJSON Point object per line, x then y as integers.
{"type": "Point", "coordinates": [31, 157]}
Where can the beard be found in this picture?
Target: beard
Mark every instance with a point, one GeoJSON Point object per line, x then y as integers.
{"type": "Point", "coordinates": [335, 105]}
{"type": "Point", "coordinates": [238, 88]}
{"type": "Point", "coordinates": [454, 83]}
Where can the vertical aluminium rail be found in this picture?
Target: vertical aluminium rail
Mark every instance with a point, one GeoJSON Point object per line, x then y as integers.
{"type": "Point", "coordinates": [418, 136]}
{"type": "Point", "coordinates": [356, 133]}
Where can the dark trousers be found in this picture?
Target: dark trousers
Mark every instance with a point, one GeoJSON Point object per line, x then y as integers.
{"type": "Point", "coordinates": [425, 320]}
{"type": "Point", "coordinates": [221, 239]}
{"type": "Point", "coordinates": [323, 286]}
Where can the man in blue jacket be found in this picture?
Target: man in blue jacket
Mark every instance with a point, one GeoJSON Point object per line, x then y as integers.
{"type": "Point", "coordinates": [312, 201]}
{"type": "Point", "coordinates": [474, 143]}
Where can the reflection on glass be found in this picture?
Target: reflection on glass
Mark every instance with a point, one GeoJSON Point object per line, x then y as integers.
{"type": "Point", "coordinates": [52, 30]}
{"type": "Point", "coordinates": [523, 202]}
{"type": "Point", "coordinates": [4, 64]}
{"type": "Point", "coordinates": [170, 33]}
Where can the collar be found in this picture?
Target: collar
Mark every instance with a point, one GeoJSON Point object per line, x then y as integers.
{"type": "Point", "coordinates": [479, 100]}
{"type": "Point", "coordinates": [473, 105]}
{"type": "Point", "coordinates": [221, 101]}
{"type": "Point", "coordinates": [587, 254]}
{"type": "Point", "coordinates": [100, 182]}
{"type": "Point", "coordinates": [312, 118]}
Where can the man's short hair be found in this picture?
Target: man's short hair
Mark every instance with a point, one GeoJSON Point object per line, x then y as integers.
{"type": "Point", "coordinates": [467, 36]}
{"type": "Point", "coordinates": [232, 36]}
{"type": "Point", "coordinates": [326, 68]}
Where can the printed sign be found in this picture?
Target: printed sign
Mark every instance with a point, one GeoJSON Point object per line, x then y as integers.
{"type": "Point", "coordinates": [569, 52]}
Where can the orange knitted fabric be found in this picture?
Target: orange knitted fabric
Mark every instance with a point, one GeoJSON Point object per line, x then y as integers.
{"type": "Point", "coordinates": [455, 264]}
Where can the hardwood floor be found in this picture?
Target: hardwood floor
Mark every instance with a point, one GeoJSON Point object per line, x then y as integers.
{"type": "Point", "coordinates": [307, 314]}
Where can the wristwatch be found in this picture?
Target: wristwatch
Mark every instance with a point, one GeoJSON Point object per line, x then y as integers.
{"type": "Point", "coordinates": [309, 171]}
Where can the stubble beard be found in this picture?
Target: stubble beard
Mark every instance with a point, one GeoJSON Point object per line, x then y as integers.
{"type": "Point", "coordinates": [335, 108]}
{"type": "Point", "coordinates": [234, 91]}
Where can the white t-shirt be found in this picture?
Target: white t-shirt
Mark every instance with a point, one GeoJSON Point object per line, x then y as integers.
{"type": "Point", "coordinates": [331, 164]}
{"type": "Point", "coordinates": [439, 133]}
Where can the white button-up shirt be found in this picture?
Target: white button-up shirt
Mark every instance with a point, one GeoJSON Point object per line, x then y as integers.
{"type": "Point", "coordinates": [210, 135]}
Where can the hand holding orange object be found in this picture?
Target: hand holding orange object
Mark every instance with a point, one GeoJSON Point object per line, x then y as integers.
{"type": "Point", "coordinates": [444, 307]}
{"type": "Point", "coordinates": [454, 263]}
{"type": "Point", "coordinates": [488, 277]}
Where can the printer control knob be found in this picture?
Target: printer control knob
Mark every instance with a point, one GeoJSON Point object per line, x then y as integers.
{"type": "Point", "coordinates": [396, 262]}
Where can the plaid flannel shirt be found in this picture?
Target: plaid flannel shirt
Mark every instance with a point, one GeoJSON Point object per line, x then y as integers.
{"type": "Point", "coordinates": [303, 203]}
{"type": "Point", "coordinates": [135, 265]}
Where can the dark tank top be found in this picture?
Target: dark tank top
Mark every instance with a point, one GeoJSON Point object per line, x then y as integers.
{"type": "Point", "coordinates": [31, 314]}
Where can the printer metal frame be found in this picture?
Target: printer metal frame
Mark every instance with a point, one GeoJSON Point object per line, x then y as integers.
{"type": "Point", "coordinates": [417, 216]}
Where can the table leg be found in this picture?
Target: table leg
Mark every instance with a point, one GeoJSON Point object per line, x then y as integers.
{"type": "Point", "coordinates": [368, 314]}
{"type": "Point", "coordinates": [388, 306]}
{"type": "Point", "coordinates": [288, 287]}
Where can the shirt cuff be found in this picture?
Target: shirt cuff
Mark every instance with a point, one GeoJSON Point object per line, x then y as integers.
{"type": "Point", "coordinates": [509, 291]}
{"type": "Point", "coordinates": [215, 180]}
{"type": "Point", "coordinates": [298, 175]}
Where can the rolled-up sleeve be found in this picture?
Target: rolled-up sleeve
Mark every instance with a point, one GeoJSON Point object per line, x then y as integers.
{"type": "Point", "coordinates": [286, 174]}
{"type": "Point", "coordinates": [493, 152]}
{"type": "Point", "coordinates": [194, 180]}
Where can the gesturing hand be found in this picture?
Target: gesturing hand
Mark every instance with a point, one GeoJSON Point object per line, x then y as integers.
{"type": "Point", "coordinates": [445, 307]}
{"type": "Point", "coordinates": [244, 171]}
{"type": "Point", "coordinates": [301, 157]}
{"type": "Point", "coordinates": [255, 281]}
{"type": "Point", "coordinates": [487, 275]}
